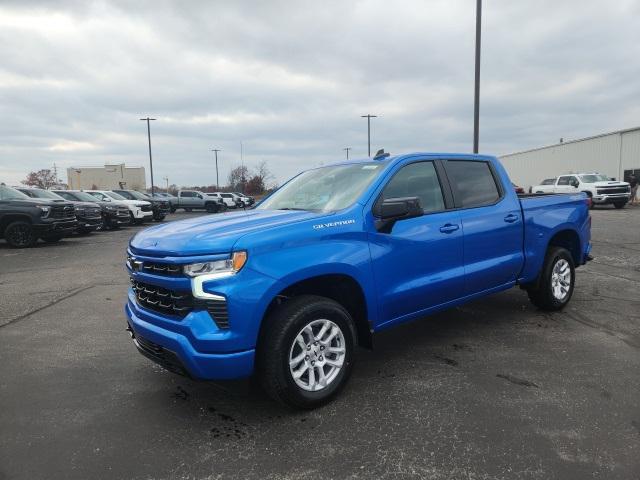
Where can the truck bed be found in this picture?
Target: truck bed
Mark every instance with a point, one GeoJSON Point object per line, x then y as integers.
{"type": "Point", "coordinates": [546, 215]}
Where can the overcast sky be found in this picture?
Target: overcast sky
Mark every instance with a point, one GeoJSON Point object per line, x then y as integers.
{"type": "Point", "coordinates": [290, 80]}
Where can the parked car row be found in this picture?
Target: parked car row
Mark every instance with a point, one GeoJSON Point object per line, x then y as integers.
{"type": "Point", "coordinates": [601, 189]}
{"type": "Point", "coordinates": [29, 214]}
{"type": "Point", "coordinates": [211, 202]}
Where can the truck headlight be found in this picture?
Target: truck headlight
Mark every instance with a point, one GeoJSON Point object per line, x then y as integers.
{"type": "Point", "coordinates": [44, 211]}
{"type": "Point", "coordinates": [228, 266]}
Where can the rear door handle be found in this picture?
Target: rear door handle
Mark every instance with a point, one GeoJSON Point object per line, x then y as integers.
{"type": "Point", "coordinates": [449, 228]}
{"type": "Point", "coordinates": [511, 218]}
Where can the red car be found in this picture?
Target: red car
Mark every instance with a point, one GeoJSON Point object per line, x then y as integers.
{"type": "Point", "coordinates": [517, 188]}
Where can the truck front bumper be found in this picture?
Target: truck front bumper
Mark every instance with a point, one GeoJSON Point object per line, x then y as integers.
{"type": "Point", "coordinates": [176, 353]}
{"type": "Point", "coordinates": [139, 214]}
{"type": "Point", "coordinates": [612, 198]}
{"type": "Point", "coordinates": [55, 227]}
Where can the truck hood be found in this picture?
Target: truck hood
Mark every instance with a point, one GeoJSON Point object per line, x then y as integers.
{"type": "Point", "coordinates": [32, 202]}
{"type": "Point", "coordinates": [211, 234]}
{"type": "Point", "coordinates": [611, 183]}
{"type": "Point", "coordinates": [137, 203]}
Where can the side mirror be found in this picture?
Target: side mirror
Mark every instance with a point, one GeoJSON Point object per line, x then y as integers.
{"type": "Point", "coordinates": [389, 211]}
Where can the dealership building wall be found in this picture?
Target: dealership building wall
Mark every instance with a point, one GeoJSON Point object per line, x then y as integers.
{"type": "Point", "coordinates": [614, 154]}
{"type": "Point", "coordinates": [108, 177]}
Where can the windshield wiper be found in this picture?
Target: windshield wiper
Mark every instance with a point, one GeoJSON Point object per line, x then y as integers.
{"type": "Point", "coordinates": [293, 208]}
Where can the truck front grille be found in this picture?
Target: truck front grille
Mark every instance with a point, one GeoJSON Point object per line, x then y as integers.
{"type": "Point", "coordinates": [610, 190]}
{"type": "Point", "coordinates": [88, 212]}
{"type": "Point", "coordinates": [162, 269]}
{"type": "Point", "coordinates": [178, 304]}
{"type": "Point", "coordinates": [63, 212]}
{"type": "Point", "coordinates": [162, 300]}
{"type": "Point", "coordinates": [156, 268]}
{"type": "Point", "coordinates": [145, 208]}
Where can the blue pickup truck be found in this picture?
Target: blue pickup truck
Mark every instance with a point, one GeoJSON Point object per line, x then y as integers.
{"type": "Point", "coordinates": [287, 289]}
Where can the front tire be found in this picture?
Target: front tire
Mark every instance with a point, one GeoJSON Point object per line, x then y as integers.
{"type": "Point", "coordinates": [306, 351]}
{"type": "Point", "coordinates": [20, 235]}
{"type": "Point", "coordinates": [557, 279]}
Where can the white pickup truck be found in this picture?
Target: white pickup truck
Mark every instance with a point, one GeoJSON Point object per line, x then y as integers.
{"type": "Point", "coordinates": [598, 187]}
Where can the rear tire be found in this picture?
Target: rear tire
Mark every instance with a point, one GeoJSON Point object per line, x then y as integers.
{"type": "Point", "coordinates": [187, 209]}
{"type": "Point", "coordinates": [557, 279]}
{"type": "Point", "coordinates": [619, 205]}
{"type": "Point", "coordinates": [20, 235]}
{"type": "Point", "coordinates": [211, 208]}
{"type": "Point", "coordinates": [314, 337]}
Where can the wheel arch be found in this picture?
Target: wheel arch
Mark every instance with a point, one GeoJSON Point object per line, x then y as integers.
{"type": "Point", "coordinates": [13, 217]}
{"type": "Point", "coordinates": [569, 239]}
{"type": "Point", "coordinates": [340, 287]}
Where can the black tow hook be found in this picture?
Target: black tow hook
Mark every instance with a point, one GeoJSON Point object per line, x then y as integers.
{"type": "Point", "coordinates": [130, 330]}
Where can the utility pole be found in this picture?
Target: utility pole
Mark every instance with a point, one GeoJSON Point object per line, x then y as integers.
{"type": "Point", "coordinates": [346, 149]}
{"type": "Point", "coordinates": [476, 96]}
{"type": "Point", "coordinates": [369, 117]}
{"type": "Point", "coordinates": [242, 180]}
{"type": "Point", "coordinates": [150, 159]}
{"type": "Point", "coordinates": [215, 150]}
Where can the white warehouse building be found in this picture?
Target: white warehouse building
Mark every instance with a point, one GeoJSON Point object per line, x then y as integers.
{"type": "Point", "coordinates": [108, 177]}
{"type": "Point", "coordinates": [614, 154]}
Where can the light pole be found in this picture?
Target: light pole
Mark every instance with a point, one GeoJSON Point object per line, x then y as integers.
{"type": "Point", "coordinates": [346, 149]}
{"type": "Point", "coordinates": [476, 95]}
{"type": "Point", "coordinates": [215, 150]}
{"type": "Point", "coordinates": [166, 179]}
{"type": "Point", "coordinates": [368, 117]}
{"type": "Point", "coordinates": [150, 159]}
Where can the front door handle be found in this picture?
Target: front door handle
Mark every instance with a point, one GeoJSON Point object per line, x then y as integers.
{"type": "Point", "coordinates": [449, 228]}
{"type": "Point", "coordinates": [511, 218]}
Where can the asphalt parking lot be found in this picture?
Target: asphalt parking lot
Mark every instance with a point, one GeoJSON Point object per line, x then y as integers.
{"type": "Point", "coordinates": [494, 389]}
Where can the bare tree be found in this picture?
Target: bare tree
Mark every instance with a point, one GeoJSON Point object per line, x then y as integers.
{"type": "Point", "coordinates": [44, 178]}
{"type": "Point", "coordinates": [238, 177]}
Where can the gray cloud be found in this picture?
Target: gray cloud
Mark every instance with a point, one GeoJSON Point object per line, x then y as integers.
{"type": "Point", "coordinates": [290, 80]}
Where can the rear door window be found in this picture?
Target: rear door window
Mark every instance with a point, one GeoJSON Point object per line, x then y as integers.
{"type": "Point", "coordinates": [473, 183]}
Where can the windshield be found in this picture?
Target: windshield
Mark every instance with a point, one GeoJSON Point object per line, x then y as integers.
{"type": "Point", "coordinates": [324, 189]}
{"type": "Point", "coordinates": [100, 196]}
{"type": "Point", "coordinates": [115, 196]}
{"type": "Point", "coordinates": [139, 195]}
{"type": "Point", "coordinates": [8, 193]}
{"type": "Point", "coordinates": [594, 178]}
{"type": "Point", "coordinates": [85, 197]}
{"type": "Point", "coordinates": [44, 194]}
